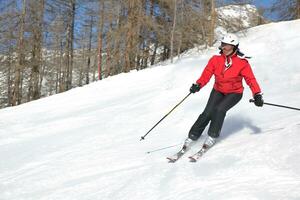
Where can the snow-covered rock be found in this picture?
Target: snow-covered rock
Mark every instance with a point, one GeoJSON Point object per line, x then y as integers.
{"type": "Point", "coordinates": [233, 18]}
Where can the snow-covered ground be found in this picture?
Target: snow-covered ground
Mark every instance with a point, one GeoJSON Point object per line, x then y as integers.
{"type": "Point", "coordinates": [85, 144]}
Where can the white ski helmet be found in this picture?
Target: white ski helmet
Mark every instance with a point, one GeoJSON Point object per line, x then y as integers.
{"type": "Point", "coordinates": [230, 39]}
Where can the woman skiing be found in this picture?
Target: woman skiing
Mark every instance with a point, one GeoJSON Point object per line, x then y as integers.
{"type": "Point", "coordinates": [228, 68]}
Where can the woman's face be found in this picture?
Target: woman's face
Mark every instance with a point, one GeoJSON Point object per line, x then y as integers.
{"type": "Point", "coordinates": [227, 48]}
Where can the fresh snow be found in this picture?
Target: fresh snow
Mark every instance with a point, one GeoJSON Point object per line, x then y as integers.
{"type": "Point", "coordinates": [85, 144]}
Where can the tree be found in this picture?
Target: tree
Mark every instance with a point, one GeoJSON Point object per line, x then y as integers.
{"type": "Point", "coordinates": [36, 12]}
{"type": "Point", "coordinates": [17, 87]}
{"type": "Point", "coordinates": [69, 44]}
{"type": "Point", "coordinates": [100, 37]}
{"type": "Point", "coordinates": [9, 26]}
{"type": "Point", "coordinates": [132, 28]}
{"type": "Point", "coordinates": [173, 29]}
{"type": "Point", "coordinates": [287, 9]}
{"type": "Point", "coordinates": [211, 38]}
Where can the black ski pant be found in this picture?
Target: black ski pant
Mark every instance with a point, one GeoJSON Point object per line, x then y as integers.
{"type": "Point", "coordinates": [215, 111]}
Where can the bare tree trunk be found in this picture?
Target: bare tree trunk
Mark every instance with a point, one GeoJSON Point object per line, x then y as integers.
{"type": "Point", "coordinates": [154, 53]}
{"type": "Point", "coordinates": [212, 24]}
{"type": "Point", "coordinates": [17, 90]}
{"type": "Point", "coordinates": [87, 78]}
{"type": "Point", "coordinates": [108, 49]}
{"type": "Point", "coordinates": [132, 28]}
{"type": "Point", "coordinates": [166, 53]}
{"type": "Point", "coordinates": [9, 81]}
{"type": "Point", "coordinates": [42, 74]}
{"type": "Point", "coordinates": [129, 37]}
{"type": "Point", "coordinates": [100, 38]}
{"type": "Point", "coordinates": [73, 5]}
{"type": "Point", "coordinates": [153, 57]}
{"type": "Point", "coordinates": [173, 30]}
{"type": "Point", "coordinates": [139, 40]}
{"type": "Point", "coordinates": [58, 67]}
{"type": "Point", "coordinates": [67, 72]}
{"type": "Point", "coordinates": [62, 70]}
{"type": "Point", "coordinates": [38, 14]}
{"type": "Point", "coordinates": [181, 31]}
{"type": "Point", "coordinates": [95, 66]}
{"type": "Point", "coordinates": [298, 9]}
{"type": "Point", "coordinates": [81, 66]}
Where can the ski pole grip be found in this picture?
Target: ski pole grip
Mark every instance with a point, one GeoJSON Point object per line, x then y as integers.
{"type": "Point", "coordinates": [251, 100]}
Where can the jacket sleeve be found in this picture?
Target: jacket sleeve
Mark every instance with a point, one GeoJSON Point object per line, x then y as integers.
{"type": "Point", "coordinates": [250, 79]}
{"type": "Point", "coordinates": [207, 73]}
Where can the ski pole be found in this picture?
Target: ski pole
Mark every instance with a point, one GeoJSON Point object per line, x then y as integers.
{"type": "Point", "coordinates": [143, 137]}
{"type": "Point", "coordinates": [175, 145]}
{"type": "Point", "coordinates": [271, 104]}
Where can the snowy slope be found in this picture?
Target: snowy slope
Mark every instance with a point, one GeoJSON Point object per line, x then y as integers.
{"type": "Point", "coordinates": [84, 144]}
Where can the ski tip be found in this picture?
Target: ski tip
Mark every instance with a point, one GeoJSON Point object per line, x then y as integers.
{"type": "Point", "coordinates": [192, 159]}
{"type": "Point", "coordinates": [170, 160]}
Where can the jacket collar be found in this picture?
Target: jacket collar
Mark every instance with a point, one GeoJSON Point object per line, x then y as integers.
{"type": "Point", "coordinates": [230, 56]}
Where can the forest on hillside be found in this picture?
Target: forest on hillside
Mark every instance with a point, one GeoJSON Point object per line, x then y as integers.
{"type": "Point", "coordinates": [51, 46]}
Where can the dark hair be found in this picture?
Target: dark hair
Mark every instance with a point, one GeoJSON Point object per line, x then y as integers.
{"type": "Point", "coordinates": [235, 48]}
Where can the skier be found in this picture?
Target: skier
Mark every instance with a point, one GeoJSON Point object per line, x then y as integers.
{"type": "Point", "coordinates": [229, 68]}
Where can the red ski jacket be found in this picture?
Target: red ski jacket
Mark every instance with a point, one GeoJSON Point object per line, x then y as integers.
{"type": "Point", "coordinates": [229, 79]}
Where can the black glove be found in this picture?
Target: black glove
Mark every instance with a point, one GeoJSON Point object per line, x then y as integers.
{"type": "Point", "coordinates": [258, 100]}
{"type": "Point", "coordinates": [195, 88]}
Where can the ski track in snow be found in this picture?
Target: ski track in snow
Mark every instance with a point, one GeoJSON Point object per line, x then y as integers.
{"type": "Point", "coordinates": [84, 144]}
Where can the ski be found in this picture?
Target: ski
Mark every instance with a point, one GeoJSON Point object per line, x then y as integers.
{"type": "Point", "coordinates": [186, 146]}
{"type": "Point", "coordinates": [178, 155]}
{"type": "Point", "coordinates": [199, 154]}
